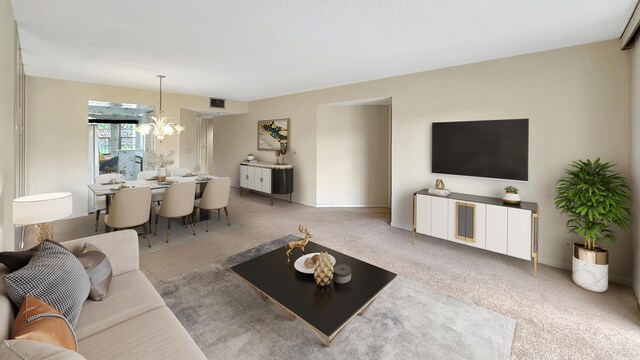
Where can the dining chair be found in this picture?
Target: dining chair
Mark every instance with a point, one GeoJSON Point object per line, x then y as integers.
{"type": "Point", "coordinates": [156, 194]}
{"type": "Point", "coordinates": [180, 172]}
{"type": "Point", "coordinates": [177, 203]}
{"type": "Point", "coordinates": [215, 197]}
{"type": "Point", "coordinates": [100, 202]}
{"type": "Point", "coordinates": [130, 209]}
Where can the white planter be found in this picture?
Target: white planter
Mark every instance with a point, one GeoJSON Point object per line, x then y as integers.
{"type": "Point", "coordinates": [250, 157]}
{"type": "Point", "coordinates": [590, 268]}
{"type": "Point", "coordinates": [511, 198]}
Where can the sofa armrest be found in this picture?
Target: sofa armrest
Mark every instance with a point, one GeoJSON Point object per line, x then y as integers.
{"type": "Point", "coordinates": [121, 248]}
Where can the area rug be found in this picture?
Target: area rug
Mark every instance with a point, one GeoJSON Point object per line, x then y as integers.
{"type": "Point", "coordinates": [408, 321]}
{"type": "Point", "coordinates": [178, 236]}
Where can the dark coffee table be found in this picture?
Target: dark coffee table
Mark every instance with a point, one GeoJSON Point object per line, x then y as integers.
{"type": "Point", "coordinates": [325, 310]}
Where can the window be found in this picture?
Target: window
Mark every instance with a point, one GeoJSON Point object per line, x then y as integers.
{"type": "Point", "coordinates": [104, 136]}
{"type": "Point", "coordinates": [127, 137]}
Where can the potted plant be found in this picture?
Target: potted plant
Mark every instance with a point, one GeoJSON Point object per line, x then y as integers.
{"type": "Point", "coordinates": [595, 198]}
{"type": "Point", "coordinates": [511, 195]}
{"type": "Point", "coordinates": [250, 157]}
{"type": "Point", "coordinates": [160, 161]}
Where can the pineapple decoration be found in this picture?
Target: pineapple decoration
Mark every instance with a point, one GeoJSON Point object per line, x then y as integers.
{"type": "Point", "coordinates": [323, 273]}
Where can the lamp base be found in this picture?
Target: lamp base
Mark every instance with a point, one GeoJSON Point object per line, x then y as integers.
{"type": "Point", "coordinates": [44, 231]}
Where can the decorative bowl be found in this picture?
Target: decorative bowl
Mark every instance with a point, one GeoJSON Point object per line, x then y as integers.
{"type": "Point", "coordinates": [299, 264]}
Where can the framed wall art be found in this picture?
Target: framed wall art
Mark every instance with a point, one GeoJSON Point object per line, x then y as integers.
{"type": "Point", "coordinates": [272, 134]}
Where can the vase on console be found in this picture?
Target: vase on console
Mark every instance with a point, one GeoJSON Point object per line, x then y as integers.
{"type": "Point", "coordinates": [162, 174]}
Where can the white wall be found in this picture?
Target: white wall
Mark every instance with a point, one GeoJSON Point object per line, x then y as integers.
{"type": "Point", "coordinates": [57, 131]}
{"type": "Point", "coordinates": [353, 156]}
{"type": "Point", "coordinates": [635, 164]}
{"type": "Point", "coordinates": [188, 141]}
{"type": "Point", "coordinates": [577, 100]}
{"type": "Point", "coordinates": [7, 103]}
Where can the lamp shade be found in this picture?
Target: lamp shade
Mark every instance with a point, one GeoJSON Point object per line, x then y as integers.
{"type": "Point", "coordinates": [42, 208]}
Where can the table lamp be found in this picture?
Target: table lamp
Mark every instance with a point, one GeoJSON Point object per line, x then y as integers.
{"type": "Point", "coordinates": [41, 210]}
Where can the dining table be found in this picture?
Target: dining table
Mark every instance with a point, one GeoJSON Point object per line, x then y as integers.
{"type": "Point", "coordinates": [109, 189]}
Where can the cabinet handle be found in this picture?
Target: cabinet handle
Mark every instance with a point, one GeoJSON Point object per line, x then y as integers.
{"type": "Point", "coordinates": [246, 177]}
{"type": "Point", "coordinates": [260, 179]}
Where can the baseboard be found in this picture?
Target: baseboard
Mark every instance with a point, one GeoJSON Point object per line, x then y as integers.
{"type": "Point", "coordinates": [331, 205]}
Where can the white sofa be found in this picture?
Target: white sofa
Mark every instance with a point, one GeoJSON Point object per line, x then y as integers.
{"type": "Point", "coordinates": [133, 322]}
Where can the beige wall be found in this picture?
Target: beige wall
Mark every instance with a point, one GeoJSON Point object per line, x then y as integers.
{"type": "Point", "coordinates": [57, 131]}
{"type": "Point", "coordinates": [635, 164]}
{"type": "Point", "coordinates": [7, 99]}
{"type": "Point", "coordinates": [353, 156]}
{"type": "Point", "coordinates": [188, 140]}
{"type": "Point", "coordinates": [577, 100]}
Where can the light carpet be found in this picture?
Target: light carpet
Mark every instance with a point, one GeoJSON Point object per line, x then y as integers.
{"type": "Point", "coordinates": [407, 321]}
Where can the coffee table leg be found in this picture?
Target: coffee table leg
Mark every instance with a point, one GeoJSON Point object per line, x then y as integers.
{"type": "Point", "coordinates": [364, 309]}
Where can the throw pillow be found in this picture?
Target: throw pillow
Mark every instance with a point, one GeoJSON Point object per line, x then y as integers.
{"type": "Point", "coordinates": [39, 321]}
{"type": "Point", "coordinates": [16, 260]}
{"type": "Point", "coordinates": [98, 268]}
{"type": "Point", "coordinates": [53, 275]}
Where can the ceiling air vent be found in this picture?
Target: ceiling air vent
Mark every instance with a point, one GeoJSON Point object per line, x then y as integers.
{"type": "Point", "coordinates": [216, 103]}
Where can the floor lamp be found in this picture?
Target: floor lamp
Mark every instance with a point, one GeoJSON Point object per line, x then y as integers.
{"type": "Point", "coordinates": [40, 210]}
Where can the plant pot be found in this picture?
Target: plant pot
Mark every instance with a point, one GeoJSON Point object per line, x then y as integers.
{"type": "Point", "coordinates": [513, 199]}
{"type": "Point", "coordinates": [590, 268]}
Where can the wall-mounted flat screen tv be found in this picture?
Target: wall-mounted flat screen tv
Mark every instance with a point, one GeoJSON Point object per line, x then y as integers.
{"type": "Point", "coordinates": [491, 149]}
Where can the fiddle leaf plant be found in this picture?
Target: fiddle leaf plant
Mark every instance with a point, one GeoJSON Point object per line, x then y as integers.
{"type": "Point", "coordinates": [595, 198]}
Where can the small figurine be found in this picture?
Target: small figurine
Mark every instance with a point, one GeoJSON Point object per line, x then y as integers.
{"type": "Point", "coordinates": [439, 184]}
{"type": "Point", "coordinates": [298, 243]}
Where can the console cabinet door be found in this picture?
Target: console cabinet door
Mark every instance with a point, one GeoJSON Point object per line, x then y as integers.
{"type": "Point", "coordinates": [475, 224]}
{"type": "Point", "coordinates": [423, 214]}
{"type": "Point", "coordinates": [519, 233]}
{"type": "Point", "coordinates": [266, 180]}
{"type": "Point", "coordinates": [244, 177]}
{"type": "Point", "coordinates": [439, 217]}
{"type": "Point", "coordinates": [496, 234]}
{"type": "Point", "coordinates": [251, 177]}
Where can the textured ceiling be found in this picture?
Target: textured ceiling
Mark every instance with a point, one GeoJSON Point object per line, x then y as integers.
{"type": "Point", "coordinates": [251, 49]}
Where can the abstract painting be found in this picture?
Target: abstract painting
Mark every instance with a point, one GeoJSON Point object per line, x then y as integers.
{"type": "Point", "coordinates": [272, 133]}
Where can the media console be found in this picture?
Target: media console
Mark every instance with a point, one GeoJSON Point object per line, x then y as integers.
{"type": "Point", "coordinates": [266, 178]}
{"type": "Point", "coordinates": [479, 221]}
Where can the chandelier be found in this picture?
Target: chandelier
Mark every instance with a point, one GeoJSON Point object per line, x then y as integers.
{"type": "Point", "coordinates": [159, 125]}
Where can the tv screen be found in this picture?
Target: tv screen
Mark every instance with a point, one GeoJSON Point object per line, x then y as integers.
{"type": "Point", "coordinates": [492, 149]}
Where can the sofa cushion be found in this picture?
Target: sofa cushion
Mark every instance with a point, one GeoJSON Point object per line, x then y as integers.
{"type": "Point", "coordinates": [39, 321]}
{"type": "Point", "coordinates": [98, 268]}
{"type": "Point", "coordinates": [54, 275]}
{"type": "Point", "coordinates": [33, 350]}
{"type": "Point", "coordinates": [7, 308]}
{"type": "Point", "coordinates": [156, 334]}
{"type": "Point", "coordinates": [130, 295]}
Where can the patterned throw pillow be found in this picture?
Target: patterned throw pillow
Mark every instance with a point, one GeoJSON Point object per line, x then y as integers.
{"type": "Point", "coordinates": [98, 268]}
{"type": "Point", "coordinates": [53, 275]}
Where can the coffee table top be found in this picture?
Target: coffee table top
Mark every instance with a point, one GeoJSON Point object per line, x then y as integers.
{"type": "Point", "coordinates": [325, 308]}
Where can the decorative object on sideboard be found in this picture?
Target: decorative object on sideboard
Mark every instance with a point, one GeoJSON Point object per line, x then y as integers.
{"type": "Point", "coordinates": [277, 153]}
{"type": "Point", "coordinates": [439, 184]}
{"type": "Point", "coordinates": [511, 195]}
{"type": "Point", "coordinates": [298, 244]}
{"type": "Point", "coordinates": [323, 273]}
{"type": "Point", "coordinates": [595, 198]}
{"type": "Point", "coordinates": [272, 133]}
{"type": "Point", "coordinates": [41, 210]}
{"type": "Point", "coordinates": [342, 274]}
{"type": "Point", "coordinates": [284, 148]}
{"type": "Point", "coordinates": [160, 124]}
{"type": "Point", "coordinates": [250, 157]}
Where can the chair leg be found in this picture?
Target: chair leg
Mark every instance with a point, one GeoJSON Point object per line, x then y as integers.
{"type": "Point", "coordinates": [208, 219]}
{"type": "Point", "coordinates": [193, 221]}
{"type": "Point", "coordinates": [226, 214]}
{"type": "Point", "coordinates": [218, 214]}
{"type": "Point", "coordinates": [156, 230]}
{"type": "Point", "coordinates": [146, 231]}
{"type": "Point", "coordinates": [97, 219]}
{"type": "Point", "coordinates": [168, 228]}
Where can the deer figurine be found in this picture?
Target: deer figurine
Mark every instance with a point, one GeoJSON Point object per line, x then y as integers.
{"type": "Point", "coordinates": [298, 243]}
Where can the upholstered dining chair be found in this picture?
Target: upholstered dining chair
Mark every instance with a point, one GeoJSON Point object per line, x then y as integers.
{"type": "Point", "coordinates": [177, 203]}
{"type": "Point", "coordinates": [215, 197]}
{"type": "Point", "coordinates": [180, 172]}
{"type": "Point", "coordinates": [147, 174]}
{"type": "Point", "coordinates": [100, 202]}
{"type": "Point", "coordinates": [130, 209]}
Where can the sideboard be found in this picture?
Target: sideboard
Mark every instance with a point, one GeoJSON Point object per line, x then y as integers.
{"type": "Point", "coordinates": [483, 222]}
{"type": "Point", "coordinates": [266, 178]}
